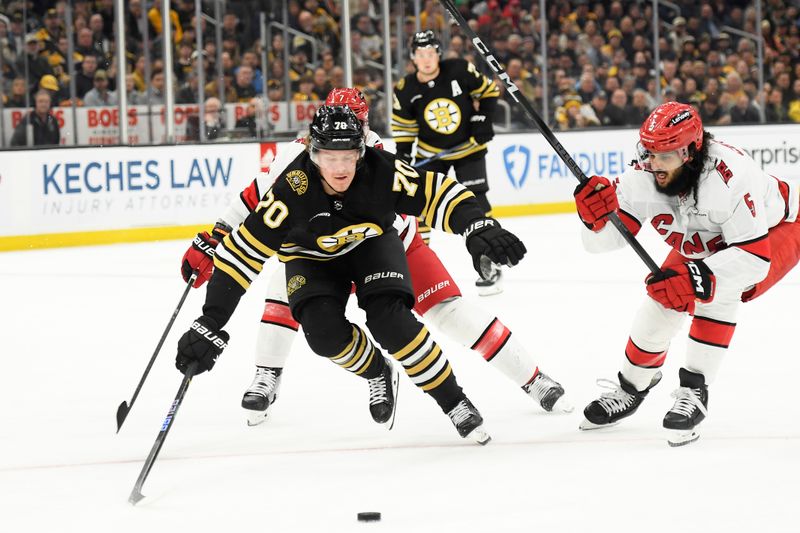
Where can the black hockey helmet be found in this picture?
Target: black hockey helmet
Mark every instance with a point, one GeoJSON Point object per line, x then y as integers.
{"type": "Point", "coordinates": [425, 39]}
{"type": "Point", "coordinates": [336, 128]}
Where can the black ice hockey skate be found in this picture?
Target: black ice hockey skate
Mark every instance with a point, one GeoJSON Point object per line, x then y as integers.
{"type": "Point", "coordinates": [383, 395]}
{"type": "Point", "coordinates": [548, 393]}
{"type": "Point", "coordinates": [469, 422]}
{"type": "Point", "coordinates": [611, 407]}
{"type": "Point", "coordinates": [261, 394]}
{"type": "Point", "coordinates": [691, 407]}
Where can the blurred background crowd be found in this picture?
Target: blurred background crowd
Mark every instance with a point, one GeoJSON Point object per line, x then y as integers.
{"type": "Point", "coordinates": [601, 67]}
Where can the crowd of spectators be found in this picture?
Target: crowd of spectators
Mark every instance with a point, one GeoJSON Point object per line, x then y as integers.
{"type": "Point", "coordinates": [600, 57]}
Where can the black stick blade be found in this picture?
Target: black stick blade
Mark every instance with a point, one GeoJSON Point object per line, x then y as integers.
{"type": "Point", "coordinates": [122, 413]}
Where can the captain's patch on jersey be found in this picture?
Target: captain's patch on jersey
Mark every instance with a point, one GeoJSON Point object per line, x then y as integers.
{"type": "Point", "coordinates": [442, 115]}
{"type": "Point", "coordinates": [298, 181]}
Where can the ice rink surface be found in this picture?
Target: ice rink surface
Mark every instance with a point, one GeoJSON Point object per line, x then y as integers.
{"type": "Point", "coordinates": [80, 325]}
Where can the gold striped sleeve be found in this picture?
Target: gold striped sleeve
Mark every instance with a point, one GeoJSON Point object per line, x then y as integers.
{"type": "Point", "coordinates": [232, 272]}
{"type": "Point", "coordinates": [441, 190]}
{"type": "Point", "coordinates": [451, 205]}
{"type": "Point", "coordinates": [480, 89]}
{"type": "Point", "coordinates": [254, 243]}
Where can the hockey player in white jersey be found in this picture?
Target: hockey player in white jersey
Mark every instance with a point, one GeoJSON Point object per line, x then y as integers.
{"type": "Point", "coordinates": [734, 234]}
{"type": "Point", "coordinates": [438, 298]}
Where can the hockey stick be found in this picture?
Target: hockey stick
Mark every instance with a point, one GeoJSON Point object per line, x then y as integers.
{"type": "Point", "coordinates": [136, 493]}
{"type": "Point", "coordinates": [518, 97]}
{"type": "Point", "coordinates": [124, 408]}
{"type": "Point", "coordinates": [443, 153]}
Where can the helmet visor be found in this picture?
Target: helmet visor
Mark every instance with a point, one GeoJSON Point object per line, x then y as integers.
{"type": "Point", "coordinates": [660, 161]}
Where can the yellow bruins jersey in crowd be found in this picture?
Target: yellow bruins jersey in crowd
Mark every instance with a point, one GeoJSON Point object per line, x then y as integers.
{"type": "Point", "coordinates": [437, 113]}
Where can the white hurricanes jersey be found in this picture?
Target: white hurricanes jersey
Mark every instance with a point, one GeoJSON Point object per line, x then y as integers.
{"type": "Point", "coordinates": [249, 198]}
{"type": "Point", "coordinates": [726, 225]}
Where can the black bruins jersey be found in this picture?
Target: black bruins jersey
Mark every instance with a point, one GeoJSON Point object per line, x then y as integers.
{"type": "Point", "coordinates": [296, 219]}
{"type": "Point", "coordinates": [437, 114]}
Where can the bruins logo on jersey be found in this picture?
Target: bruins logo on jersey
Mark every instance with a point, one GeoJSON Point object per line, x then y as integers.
{"type": "Point", "coordinates": [347, 235]}
{"type": "Point", "coordinates": [298, 181]}
{"type": "Point", "coordinates": [294, 284]}
{"type": "Point", "coordinates": [442, 115]}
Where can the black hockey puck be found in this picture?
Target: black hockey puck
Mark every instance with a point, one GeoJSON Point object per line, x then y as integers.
{"type": "Point", "coordinates": [369, 517]}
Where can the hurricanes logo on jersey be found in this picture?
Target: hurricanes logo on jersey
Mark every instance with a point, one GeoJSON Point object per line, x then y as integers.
{"type": "Point", "coordinates": [294, 284]}
{"type": "Point", "coordinates": [348, 235]}
{"type": "Point", "coordinates": [298, 181]}
{"type": "Point", "coordinates": [442, 115]}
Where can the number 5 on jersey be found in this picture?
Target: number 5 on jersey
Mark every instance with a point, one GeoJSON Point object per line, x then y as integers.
{"type": "Point", "coordinates": [401, 178]}
{"type": "Point", "coordinates": [275, 210]}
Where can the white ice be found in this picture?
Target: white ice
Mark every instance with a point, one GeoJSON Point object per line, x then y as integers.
{"type": "Point", "coordinates": [80, 324]}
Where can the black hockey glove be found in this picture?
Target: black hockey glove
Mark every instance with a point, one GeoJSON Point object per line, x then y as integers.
{"type": "Point", "coordinates": [481, 128]}
{"type": "Point", "coordinates": [203, 343]}
{"type": "Point", "coordinates": [485, 237]}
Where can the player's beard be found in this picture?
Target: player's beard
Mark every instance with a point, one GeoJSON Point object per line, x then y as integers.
{"type": "Point", "coordinates": [681, 183]}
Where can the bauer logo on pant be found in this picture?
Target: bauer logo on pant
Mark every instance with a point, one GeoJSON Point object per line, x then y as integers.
{"type": "Point", "coordinates": [294, 284]}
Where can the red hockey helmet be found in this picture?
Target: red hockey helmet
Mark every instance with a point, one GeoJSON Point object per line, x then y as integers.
{"type": "Point", "coordinates": [671, 126]}
{"type": "Point", "coordinates": [352, 98]}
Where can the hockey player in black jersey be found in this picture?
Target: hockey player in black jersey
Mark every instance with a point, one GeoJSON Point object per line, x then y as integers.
{"type": "Point", "coordinates": [447, 106]}
{"type": "Point", "coordinates": [329, 217]}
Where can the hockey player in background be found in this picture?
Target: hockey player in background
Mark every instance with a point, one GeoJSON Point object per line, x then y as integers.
{"type": "Point", "coordinates": [447, 106]}
{"type": "Point", "coordinates": [734, 234]}
{"type": "Point", "coordinates": [437, 298]}
{"type": "Point", "coordinates": [329, 217]}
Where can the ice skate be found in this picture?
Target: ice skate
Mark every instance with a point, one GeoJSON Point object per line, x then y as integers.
{"type": "Point", "coordinates": [549, 394]}
{"type": "Point", "coordinates": [611, 407]}
{"type": "Point", "coordinates": [491, 281]}
{"type": "Point", "coordinates": [383, 395]}
{"type": "Point", "coordinates": [690, 408]}
{"type": "Point", "coordinates": [469, 422]}
{"type": "Point", "coordinates": [261, 394]}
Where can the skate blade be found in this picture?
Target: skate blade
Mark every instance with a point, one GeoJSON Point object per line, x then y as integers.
{"type": "Point", "coordinates": [396, 389]}
{"type": "Point", "coordinates": [255, 418]}
{"type": "Point", "coordinates": [479, 435]}
{"type": "Point", "coordinates": [586, 425]}
{"type": "Point", "coordinates": [681, 437]}
{"type": "Point", "coordinates": [489, 290]}
{"type": "Point", "coordinates": [563, 405]}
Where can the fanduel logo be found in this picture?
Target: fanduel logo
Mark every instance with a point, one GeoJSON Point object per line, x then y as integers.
{"type": "Point", "coordinates": [211, 337]}
{"type": "Point", "coordinates": [517, 160]}
{"type": "Point", "coordinates": [382, 275]}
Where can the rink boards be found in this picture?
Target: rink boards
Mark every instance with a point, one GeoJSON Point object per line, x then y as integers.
{"type": "Point", "coordinates": [77, 196]}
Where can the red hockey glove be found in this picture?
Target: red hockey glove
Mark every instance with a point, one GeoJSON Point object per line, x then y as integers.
{"type": "Point", "coordinates": [200, 256]}
{"type": "Point", "coordinates": [595, 199]}
{"type": "Point", "coordinates": [677, 287]}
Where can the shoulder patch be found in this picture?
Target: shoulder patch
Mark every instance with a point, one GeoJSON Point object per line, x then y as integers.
{"type": "Point", "coordinates": [401, 84]}
{"type": "Point", "coordinates": [298, 181]}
